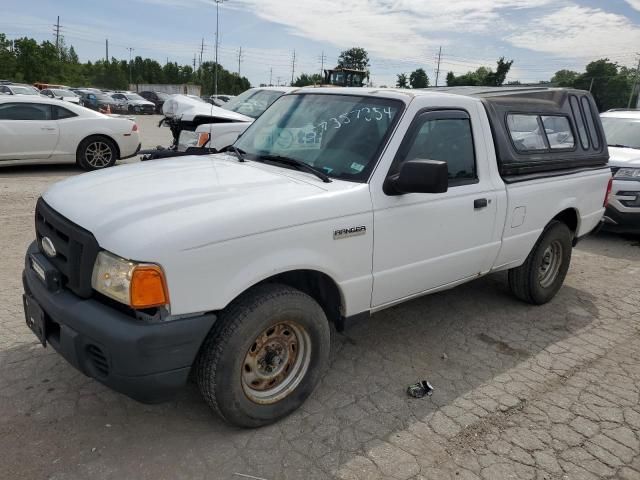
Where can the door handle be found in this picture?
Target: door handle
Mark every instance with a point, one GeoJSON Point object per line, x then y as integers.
{"type": "Point", "coordinates": [480, 203]}
{"type": "Point", "coordinates": [48, 128]}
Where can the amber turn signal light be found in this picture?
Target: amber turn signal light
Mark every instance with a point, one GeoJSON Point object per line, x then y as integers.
{"type": "Point", "coordinates": [148, 287]}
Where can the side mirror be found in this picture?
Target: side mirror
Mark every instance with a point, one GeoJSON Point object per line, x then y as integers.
{"type": "Point", "coordinates": [419, 176]}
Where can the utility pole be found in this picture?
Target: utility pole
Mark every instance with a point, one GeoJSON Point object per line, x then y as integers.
{"type": "Point", "coordinates": [271, 77]}
{"type": "Point", "coordinates": [438, 69]}
{"type": "Point", "coordinates": [591, 84]}
{"type": "Point", "coordinates": [201, 50]}
{"type": "Point", "coordinates": [57, 25]}
{"type": "Point", "coordinates": [278, 81]}
{"type": "Point", "coordinates": [215, 67]}
{"type": "Point", "coordinates": [131, 49]}
{"type": "Point", "coordinates": [322, 57]}
{"type": "Point", "coordinates": [106, 43]}
{"type": "Point", "coordinates": [239, 60]}
{"type": "Point", "coordinates": [635, 83]}
{"type": "Point", "coordinates": [194, 62]}
{"type": "Point", "coordinates": [293, 66]}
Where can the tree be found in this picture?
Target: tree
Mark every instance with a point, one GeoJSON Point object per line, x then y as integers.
{"type": "Point", "coordinates": [305, 79]}
{"type": "Point", "coordinates": [564, 78]}
{"type": "Point", "coordinates": [419, 79]}
{"type": "Point", "coordinates": [609, 84]}
{"type": "Point", "coordinates": [402, 81]}
{"type": "Point", "coordinates": [482, 76]}
{"type": "Point", "coordinates": [355, 58]}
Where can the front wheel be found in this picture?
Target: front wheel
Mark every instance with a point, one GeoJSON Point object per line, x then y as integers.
{"type": "Point", "coordinates": [264, 356]}
{"type": "Point", "coordinates": [540, 277]}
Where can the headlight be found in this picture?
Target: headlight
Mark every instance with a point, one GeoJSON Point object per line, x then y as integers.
{"type": "Point", "coordinates": [140, 285]}
{"type": "Point", "coordinates": [628, 174]}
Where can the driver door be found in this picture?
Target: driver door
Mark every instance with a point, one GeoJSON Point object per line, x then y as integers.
{"type": "Point", "coordinates": [27, 131]}
{"type": "Point", "coordinates": [424, 241]}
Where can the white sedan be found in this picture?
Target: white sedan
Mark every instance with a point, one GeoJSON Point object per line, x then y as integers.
{"type": "Point", "coordinates": [35, 129]}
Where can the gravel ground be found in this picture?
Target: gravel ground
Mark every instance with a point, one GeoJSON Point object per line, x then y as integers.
{"type": "Point", "coordinates": [524, 392]}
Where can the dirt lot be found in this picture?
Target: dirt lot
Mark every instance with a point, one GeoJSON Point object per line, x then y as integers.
{"type": "Point", "coordinates": [523, 392]}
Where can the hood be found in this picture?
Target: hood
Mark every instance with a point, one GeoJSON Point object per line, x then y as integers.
{"type": "Point", "coordinates": [186, 202]}
{"type": "Point", "coordinates": [70, 99]}
{"type": "Point", "coordinates": [624, 157]}
{"type": "Point", "coordinates": [185, 108]}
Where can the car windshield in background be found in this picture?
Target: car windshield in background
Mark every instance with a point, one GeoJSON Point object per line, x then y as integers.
{"type": "Point", "coordinates": [162, 96]}
{"type": "Point", "coordinates": [340, 135]}
{"type": "Point", "coordinates": [252, 103]}
{"type": "Point", "coordinates": [103, 97]}
{"type": "Point", "coordinates": [63, 93]}
{"type": "Point", "coordinates": [622, 131]}
{"type": "Point", "coordinates": [133, 96]}
{"type": "Point", "coordinates": [24, 91]}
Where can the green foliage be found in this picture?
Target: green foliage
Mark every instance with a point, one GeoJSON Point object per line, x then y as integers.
{"type": "Point", "coordinates": [482, 76]}
{"type": "Point", "coordinates": [610, 84]}
{"type": "Point", "coordinates": [24, 60]}
{"type": "Point", "coordinates": [419, 79]}
{"type": "Point", "coordinates": [403, 81]}
{"type": "Point", "coordinates": [304, 79]}
{"type": "Point", "coordinates": [564, 78]}
{"type": "Point", "coordinates": [355, 58]}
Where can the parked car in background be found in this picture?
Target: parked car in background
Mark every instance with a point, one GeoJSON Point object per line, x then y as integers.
{"type": "Point", "coordinates": [61, 94]}
{"type": "Point", "coordinates": [13, 89]}
{"type": "Point", "coordinates": [42, 130]}
{"type": "Point", "coordinates": [335, 204]}
{"type": "Point", "coordinates": [101, 102]}
{"type": "Point", "coordinates": [622, 130]}
{"type": "Point", "coordinates": [135, 103]}
{"type": "Point", "coordinates": [157, 98]}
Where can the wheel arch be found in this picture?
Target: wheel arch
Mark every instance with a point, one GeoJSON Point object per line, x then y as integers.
{"type": "Point", "coordinates": [571, 218]}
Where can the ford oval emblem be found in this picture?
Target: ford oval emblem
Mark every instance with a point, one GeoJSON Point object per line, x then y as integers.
{"type": "Point", "coordinates": [48, 247]}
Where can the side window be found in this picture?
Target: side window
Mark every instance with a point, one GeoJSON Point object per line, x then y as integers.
{"type": "Point", "coordinates": [444, 136]}
{"type": "Point", "coordinates": [525, 132]}
{"type": "Point", "coordinates": [558, 130]}
{"type": "Point", "coordinates": [586, 106]}
{"type": "Point", "coordinates": [60, 113]}
{"type": "Point", "coordinates": [25, 111]}
{"type": "Point", "coordinates": [577, 116]}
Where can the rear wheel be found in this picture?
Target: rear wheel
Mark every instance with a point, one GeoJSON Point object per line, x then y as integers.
{"type": "Point", "coordinates": [540, 277]}
{"type": "Point", "coordinates": [95, 153]}
{"type": "Point", "coordinates": [264, 356]}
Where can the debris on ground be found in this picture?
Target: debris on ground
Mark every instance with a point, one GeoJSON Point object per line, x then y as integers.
{"type": "Point", "coordinates": [420, 389]}
{"type": "Point", "coordinates": [444, 356]}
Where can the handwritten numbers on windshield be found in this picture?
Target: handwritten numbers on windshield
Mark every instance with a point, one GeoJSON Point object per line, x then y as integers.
{"type": "Point", "coordinates": [367, 114]}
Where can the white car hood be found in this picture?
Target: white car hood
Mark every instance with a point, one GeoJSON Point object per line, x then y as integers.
{"type": "Point", "coordinates": [189, 202]}
{"type": "Point", "coordinates": [70, 99]}
{"type": "Point", "coordinates": [139, 102]}
{"type": "Point", "coordinates": [185, 108]}
{"type": "Point", "coordinates": [624, 157]}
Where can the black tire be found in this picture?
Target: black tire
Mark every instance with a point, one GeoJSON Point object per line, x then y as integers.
{"type": "Point", "coordinates": [96, 153]}
{"type": "Point", "coordinates": [535, 281]}
{"type": "Point", "coordinates": [225, 360]}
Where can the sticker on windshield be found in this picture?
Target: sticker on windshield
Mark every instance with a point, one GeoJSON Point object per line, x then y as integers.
{"type": "Point", "coordinates": [282, 139]}
{"type": "Point", "coordinates": [357, 167]}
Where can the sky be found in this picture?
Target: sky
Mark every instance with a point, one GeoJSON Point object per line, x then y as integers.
{"type": "Point", "coordinates": [541, 36]}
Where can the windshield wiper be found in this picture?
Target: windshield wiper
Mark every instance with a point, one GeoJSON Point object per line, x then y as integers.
{"type": "Point", "coordinates": [297, 164]}
{"type": "Point", "coordinates": [619, 145]}
{"type": "Point", "coordinates": [239, 153]}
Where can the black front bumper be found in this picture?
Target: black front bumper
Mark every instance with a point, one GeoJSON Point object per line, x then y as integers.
{"type": "Point", "coordinates": [147, 361]}
{"type": "Point", "coordinates": [622, 222]}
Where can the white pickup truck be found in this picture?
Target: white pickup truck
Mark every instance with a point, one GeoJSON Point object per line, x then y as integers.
{"type": "Point", "coordinates": [334, 204]}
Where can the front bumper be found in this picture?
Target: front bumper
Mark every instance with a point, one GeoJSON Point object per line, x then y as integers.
{"type": "Point", "coordinates": [147, 361]}
{"type": "Point", "coordinates": [623, 212]}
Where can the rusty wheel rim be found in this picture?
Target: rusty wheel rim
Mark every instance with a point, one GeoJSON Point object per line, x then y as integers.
{"type": "Point", "coordinates": [276, 362]}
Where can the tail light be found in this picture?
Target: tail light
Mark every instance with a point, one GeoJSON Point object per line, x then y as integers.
{"type": "Point", "coordinates": [135, 127]}
{"type": "Point", "coordinates": [608, 194]}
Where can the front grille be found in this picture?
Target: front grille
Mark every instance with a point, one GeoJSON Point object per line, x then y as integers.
{"type": "Point", "coordinates": [76, 248]}
{"type": "Point", "coordinates": [98, 359]}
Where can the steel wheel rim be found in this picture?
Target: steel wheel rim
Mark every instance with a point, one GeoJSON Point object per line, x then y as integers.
{"type": "Point", "coordinates": [550, 264]}
{"type": "Point", "coordinates": [276, 362]}
{"type": "Point", "coordinates": [98, 154]}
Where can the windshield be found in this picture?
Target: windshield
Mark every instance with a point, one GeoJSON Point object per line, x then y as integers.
{"type": "Point", "coordinates": [24, 91]}
{"type": "Point", "coordinates": [252, 103]}
{"type": "Point", "coordinates": [103, 97]}
{"type": "Point", "coordinates": [63, 93]}
{"type": "Point", "coordinates": [622, 131]}
{"type": "Point", "coordinates": [340, 135]}
{"type": "Point", "coordinates": [134, 96]}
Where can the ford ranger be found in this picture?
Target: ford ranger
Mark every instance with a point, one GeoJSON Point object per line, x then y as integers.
{"type": "Point", "coordinates": [334, 204]}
